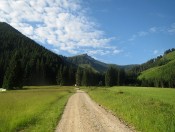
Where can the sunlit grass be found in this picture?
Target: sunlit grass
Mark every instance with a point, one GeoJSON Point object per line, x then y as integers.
{"type": "Point", "coordinates": [33, 108]}
{"type": "Point", "coordinates": [147, 109]}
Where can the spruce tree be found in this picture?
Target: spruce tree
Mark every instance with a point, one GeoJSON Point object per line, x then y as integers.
{"type": "Point", "coordinates": [78, 76]}
{"type": "Point", "coordinates": [108, 78]}
{"type": "Point", "coordinates": [122, 76]}
{"type": "Point", "coordinates": [65, 75]}
{"type": "Point", "coordinates": [14, 75]}
{"type": "Point", "coordinates": [60, 76]}
{"type": "Point", "coordinates": [111, 77]}
{"type": "Point", "coordinates": [84, 78]}
{"type": "Point", "coordinates": [73, 75]}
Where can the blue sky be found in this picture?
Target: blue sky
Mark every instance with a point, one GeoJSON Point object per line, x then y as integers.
{"type": "Point", "coordinates": [114, 31]}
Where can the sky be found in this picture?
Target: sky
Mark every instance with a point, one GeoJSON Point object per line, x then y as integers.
{"type": "Point", "coordinates": [113, 31]}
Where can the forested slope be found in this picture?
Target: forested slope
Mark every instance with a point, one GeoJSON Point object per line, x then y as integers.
{"type": "Point", "coordinates": [24, 62]}
{"type": "Point", "coordinates": [162, 74]}
{"type": "Point", "coordinates": [86, 61]}
{"type": "Point", "coordinates": [38, 65]}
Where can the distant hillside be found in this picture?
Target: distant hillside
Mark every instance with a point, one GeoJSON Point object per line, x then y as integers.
{"type": "Point", "coordinates": [125, 67]}
{"type": "Point", "coordinates": [24, 62]}
{"type": "Point", "coordinates": [86, 61]}
{"type": "Point", "coordinates": [161, 72]}
{"type": "Point", "coordinates": [38, 65]}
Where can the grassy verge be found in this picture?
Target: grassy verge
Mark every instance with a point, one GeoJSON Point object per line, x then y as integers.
{"type": "Point", "coordinates": [33, 109]}
{"type": "Point", "coordinates": [147, 109]}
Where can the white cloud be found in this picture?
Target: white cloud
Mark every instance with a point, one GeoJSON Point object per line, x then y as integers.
{"type": "Point", "coordinates": [168, 29]}
{"type": "Point", "coordinates": [133, 37]}
{"type": "Point", "coordinates": [172, 28]}
{"type": "Point", "coordinates": [165, 29]}
{"type": "Point", "coordinates": [56, 51]}
{"type": "Point", "coordinates": [64, 24]}
{"type": "Point", "coordinates": [105, 51]}
{"type": "Point", "coordinates": [153, 29]}
{"type": "Point", "coordinates": [142, 33]}
{"type": "Point", "coordinates": [155, 52]}
{"type": "Point", "coordinates": [138, 34]}
{"type": "Point", "coordinates": [94, 52]}
{"type": "Point", "coordinates": [116, 51]}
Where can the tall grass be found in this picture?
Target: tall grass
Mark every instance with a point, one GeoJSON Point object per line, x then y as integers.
{"type": "Point", "coordinates": [147, 109]}
{"type": "Point", "coordinates": [33, 109]}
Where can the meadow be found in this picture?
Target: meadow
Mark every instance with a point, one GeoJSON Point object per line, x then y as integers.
{"type": "Point", "coordinates": [147, 109]}
{"type": "Point", "coordinates": [35, 108]}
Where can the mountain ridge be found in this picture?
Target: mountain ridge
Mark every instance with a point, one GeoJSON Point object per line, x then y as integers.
{"type": "Point", "coordinates": [39, 65]}
{"type": "Point", "coordinates": [163, 73]}
{"type": "Point", "coordinates": [84, 59]}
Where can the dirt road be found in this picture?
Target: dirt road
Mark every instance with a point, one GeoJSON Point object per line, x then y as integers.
{"type": "Point", "coordinates": [81, 114]}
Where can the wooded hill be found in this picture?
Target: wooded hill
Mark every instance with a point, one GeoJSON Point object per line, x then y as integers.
{"type": "Point", "coordinates": [24, 62]}
{"type": "Point", "coordinates": [161, 72]}
{"type": "Point", "coordinates": [86, 61]}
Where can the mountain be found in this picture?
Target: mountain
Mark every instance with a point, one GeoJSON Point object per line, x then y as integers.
{"type": "Point", "coordinates": [160, 72]}
{"type": "Point", "coordinates": [24, 62]}
{"type": "Point", "coordinates": [86, 61]}
{"type": "Point", "coordinates": [38, 65]}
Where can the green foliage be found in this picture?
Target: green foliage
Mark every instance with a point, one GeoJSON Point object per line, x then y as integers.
{"type": "Point", "coordinates": [169, 51]}
{"type": "Point", "coordinates": [147, 109]}
{"type": "Point", "coordinates": [14, 75]}
{"type": "Point", "coordinates": [168, 56]}
{"type": "Point", "coordinates": [114, 76]}
{"type": "Point", "coordinates": [161, 76]}
{"type": "Point", "coordinates": [158, 72]}
{"type": "Point", "coordinates": [88, 77]}
{"type": "Point", "coordinates": [85, 78]}
{"type": "Point", "coordinates": [66, 76]}
{"type": "Point", "coordinates": [111, 77]}
{"type": "Point", "coordinates": [85, 61]}
{"type": "Point", "coordinates": [39, 66]}
{"type": "Point", "coordinates": [78, 76]}
{"type": "Point", "coordinates": [34, 109]}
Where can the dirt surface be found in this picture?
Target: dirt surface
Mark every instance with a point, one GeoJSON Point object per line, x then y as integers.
{"type": "Point", "coordinates": [81, 114]}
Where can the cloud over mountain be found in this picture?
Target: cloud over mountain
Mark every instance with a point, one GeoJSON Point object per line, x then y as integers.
{"type": "Point", "coordinates": [62, 24]}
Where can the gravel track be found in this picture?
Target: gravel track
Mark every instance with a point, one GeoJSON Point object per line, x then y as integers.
{"type": "Point", "coordinates": [81, 114]}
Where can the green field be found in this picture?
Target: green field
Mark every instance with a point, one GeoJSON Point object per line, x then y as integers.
{"type": "Point", "coordinates": [147, 109]}
{"type": "Point", "coordinates": [36, 108]}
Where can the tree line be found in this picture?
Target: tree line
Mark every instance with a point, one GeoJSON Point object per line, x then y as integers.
{"type": "Point", "coordinates": [24, 62]}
